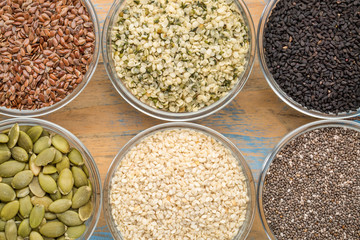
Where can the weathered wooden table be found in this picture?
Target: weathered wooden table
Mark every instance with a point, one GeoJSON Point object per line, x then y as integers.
{"type": "Point", "coordinates": [255, 121]}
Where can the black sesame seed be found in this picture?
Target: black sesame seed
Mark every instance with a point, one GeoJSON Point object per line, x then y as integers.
{"type": "Point", "coordinates": [312, 48]}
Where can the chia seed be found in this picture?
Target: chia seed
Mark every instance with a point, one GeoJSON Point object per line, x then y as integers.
{"type": "Point", "coordinates": [312, 188]}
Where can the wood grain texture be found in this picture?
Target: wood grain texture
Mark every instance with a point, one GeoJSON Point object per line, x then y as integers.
{"type": "Point", "coordinates": [255, 121]}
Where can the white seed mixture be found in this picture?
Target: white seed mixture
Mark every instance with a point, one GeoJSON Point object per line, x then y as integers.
{"type": "Point", "coordinates": [180, 55]}
{"type": "Point", "coordinates": [179, 184]}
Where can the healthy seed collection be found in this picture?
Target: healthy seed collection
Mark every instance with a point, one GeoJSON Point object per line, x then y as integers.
{"type": "Point", "coordinates": [180, 55]}
{"type": "Point", "coordinates": [312, 188]}
{"type": "Point", "coordinates": [179, 184]}
{"type": "Point", "coordinates": [45, 191]}
{"type": "Point", "coordinates": [46, 48]}
{"type": "Point", "coordinates": [312, 50]}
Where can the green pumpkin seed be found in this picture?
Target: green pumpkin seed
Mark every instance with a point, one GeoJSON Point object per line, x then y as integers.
{"type": "Point", "coordinates": [33, 167]}
{"type": "Point", "coordinates": [2, 235]}
{"type": "Point", "coordinates": [56, 196]}
{"type": "Point", "coordinates": [2, 225]}
{"type": "Point", "coordinates": [11, 230]}
{"type": "Point", "coordinates": [5, 153]}
{"type": "Point", "coordinates": [50, 216]}
{"type": "Point", "coordinates": [60, 206]}
{"type": "Point", "coordinates": [86, 170]}
{"type": "Point", "coordinates": [44, 201]}
{"type": "Point", "coordinates": [26, 167]}
{"type": "Point", "coordinates": [1, 206]}
{"type": "Point", "coordinates": [7, 194]}
{"type": "Point", "coordinates": [4, 138]}
{"type": "Point", "coordinates": [10, 168]}
{"type": "Point", "coordinates": [90, 184]}
{"type": "Point", "coordinates": [86, 211]}
{"type": "Point", "coordinates": [80, 178]}
{"type": "Point", "coordinates": [81, 197]}
{"type": "Point", "coordinates": [55, 176]}
{"type": "Point", "coordinates": [34, 133]}
{"type": "Point", "coordinates": [65, 181]}
{"type": "Point", "coordinates": [58, 156]}
{"type": "Point", "coordinates": [13, 135]}
{"type": "Point", "coordinates": [65, 163]}
{"type": "Point", "coordinates": [60, 238]}
{"type": "Point", "coordinates": [47, 183]}
{"type": "Point", "coordinates": [10, 210]}
{"type": "Point", "coordinates": [75, 232]}
{"type": "Point", "coordinates": [37, 215]}
{"type": "Point", "coordinates": [22, 179]}
{"type": "Point", "coordinates": [68, 196]}
{"type": "Point", "coordinates": [7, 180]}
{"type": "Point", "coordinates": [60, 143]}
{"type": "Point", "coordinates": [35, 236]}
{"type": "Point", "coordinates": [41, 144]}
{"type": "Point", "coordinates": [6, 131]}
{"type": "Point", "coordinates": [22, 192]}
{"type": "Point", "coordinates": [45, 133]}
{"type": "Point", "coordinates": [75, 157]}
{"type": "Point", "coordinates": [25, 141]}
{"type": "Point", "coordinates": [19, 154]}
{"type": "Point", "coordinates": [52, 229]}
{"type": "Point", "coordinates": [24, 128]}
{"type": "Point", "coordinates": [35, 188]}
{"type": "Point", "coordinates": [49, 169]}
{"type": "Point", "coordinates": [24, 229]}
{"type": "Point", "coordinates": [25, 206]}
{"type": "Point", "coordinates": [43, 221]}
{"type": "Point", "coordinates": [45, 157]}
{"type": "Point", "coordinates": [70, 218]}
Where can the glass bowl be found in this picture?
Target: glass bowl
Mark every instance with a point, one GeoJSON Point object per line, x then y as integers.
{"type": "Point", "coordinates": [80, 87]}
{"type": "Point", "coordinates": [165, 115]}
{"type": "Point", "coordinates": [273, 84]}
{"type": "Point", "coordinates": [290, 136]}
{"type": "Point", "coordinates": [94, 174]}
{"type": "Point", "coordinates": [245, 228]}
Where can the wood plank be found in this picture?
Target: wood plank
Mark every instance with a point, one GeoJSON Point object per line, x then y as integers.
{"type": "Point", "coordinates": [255, 121]}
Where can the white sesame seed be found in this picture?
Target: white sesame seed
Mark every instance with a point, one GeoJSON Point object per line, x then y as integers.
{"type": "Point", "coordinates": [179, 184]}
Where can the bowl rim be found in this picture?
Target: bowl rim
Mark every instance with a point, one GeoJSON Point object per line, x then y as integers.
{"type": "Point", "coordinates": [98, 195]}
{"type": "Point", "coordinates": [279, 146]}
{"type": "Point", "coordinates": [116, 234]}
{"type": "Point", "coordinates": [13, 112]}
{"type": "Point", "coordinates": [273, 84]}
{"type": "Point", "coordinates": [165, 115]}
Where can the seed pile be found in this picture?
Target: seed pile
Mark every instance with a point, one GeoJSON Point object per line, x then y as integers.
{"type": "Point", "coordinates": [312, 50]}
{"type": "Point", "coordinates": [180, 55]}
{"type": "Point", "coordinates": [312, 188]}
{"type": "Point", "coordinates": [46, 48]}
{"type": "Point", "coordinates": [179, 184]}
{"type": "Point", "coordinates": [44, 186]}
